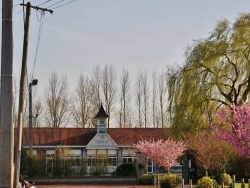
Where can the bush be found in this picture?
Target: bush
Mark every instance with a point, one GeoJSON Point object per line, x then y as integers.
{"type": "Point", "coordinates": [127, 169]}
{"type": "Point", "coordinates": [207, 182]}
{"type": "Point", "coordinates": [146, 179]}
{"type": "Point", "coordinates": [215, 183]}
{"type": "Point", "coordinates": [170, 181]}
{"type": "Point", "coordinates": [225, 178]}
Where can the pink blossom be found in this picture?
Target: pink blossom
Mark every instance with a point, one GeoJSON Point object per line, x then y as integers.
{"type": "Point", "coordinates": [234, 127]}
{"type": "Point", "coordinates": [164, 153]}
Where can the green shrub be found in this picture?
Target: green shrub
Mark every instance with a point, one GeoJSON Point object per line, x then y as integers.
{"type": "Point", "coordinates": [215, 183]}
{"type": "Point", "coordinates": [226, 179]}
{"type": "Point", "coordinates": [170, 181]}
{"type": "Point", "coordinates": [146, 179]}
{"type": "Point", "coordinates": [207, 182]}
{"type": "Point", "coordinates": [126, 169]}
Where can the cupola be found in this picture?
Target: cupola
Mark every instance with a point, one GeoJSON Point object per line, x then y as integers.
{"type": "Point", "coordinates": [101, 118]}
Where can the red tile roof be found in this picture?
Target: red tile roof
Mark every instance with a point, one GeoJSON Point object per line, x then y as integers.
{"type": "Point", "coordinates": [82, 136]}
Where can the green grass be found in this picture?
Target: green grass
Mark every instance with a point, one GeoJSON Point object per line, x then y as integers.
{"type": "Point", "coordinates": [238, 185]}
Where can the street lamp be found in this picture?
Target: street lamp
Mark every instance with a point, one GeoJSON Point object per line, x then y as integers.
{"type": "Point", "coordinates": [33, 83]}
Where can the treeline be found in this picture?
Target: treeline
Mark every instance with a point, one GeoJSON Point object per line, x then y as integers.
{"type": "Point", "coordinates": [142, 103]}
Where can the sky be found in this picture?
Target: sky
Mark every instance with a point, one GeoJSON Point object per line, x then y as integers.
{"type": "Point", "coordinates": [138, 35]}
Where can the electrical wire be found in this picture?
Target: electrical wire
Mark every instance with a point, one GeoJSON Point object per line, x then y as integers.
{"type": "Point", "coordinates": [39, 19]}
{"type": "Point", "coordinates": [44, 3]}
{"type": "Point", "coordinates": [40, 29]}
{"type": "Point", "coordinates": [14, 7]}
{"type": "Point", "coordinates": [38, 40]}
{"type": "Point", "coordinates": [64, 4]}
{"type": "Point", "coordinates": [55, 3]}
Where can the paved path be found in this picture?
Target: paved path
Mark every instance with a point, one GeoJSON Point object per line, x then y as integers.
{"type": "Point", "coordinates": [99, 186]}
{"type": "Point", "coordinates": [95, 186]}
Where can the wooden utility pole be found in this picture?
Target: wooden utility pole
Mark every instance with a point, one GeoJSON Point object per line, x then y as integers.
{"type": "Point", "coordinates": [22, 95]}
{"type": "Point", "coordinates": [22, 90]}
{"type": "Point", "coordinates": [6, 121]}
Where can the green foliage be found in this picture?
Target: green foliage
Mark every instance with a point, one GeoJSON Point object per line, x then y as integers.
{"type": "Point", "coordinates": [215, 183]}
{"type": "Point", "coordinates": [128, 169]}
{"type": "Point", "coordinates": [59, 164]}
{"type": "Point", "coordinates": [170, 181]}
{"type": "Point", "coordinates": [99, 164]}
{"type": "Point", "coordinates": [216, 71]}
{"type": "Point", "coordinates": [23, 165]}
{"type": "Point", "coordinates": [224, 178]}
{"type": "Point", "coordinates": [32, 166]}
{"type": "Point", "coordinates": [146, 179]}
{"type": "Point", "coordinates": [207, 182]}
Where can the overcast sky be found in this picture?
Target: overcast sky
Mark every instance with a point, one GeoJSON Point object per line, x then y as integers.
{"type": "Point", "coordinates": [132, 34]}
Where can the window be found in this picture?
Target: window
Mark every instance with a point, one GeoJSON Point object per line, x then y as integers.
{"type": "Point", "coordinates": [89, 161]}
{"type": "Point", "coordinates": [102, 130]}
{"type": "Point", "coordinates": [102, 123]}
{"type": "Point", "coordinates": [112, 160]}
{"type": "Point", "coordinates": [128, 159]}
{"type": "Point", "coordinates": [151, 166]}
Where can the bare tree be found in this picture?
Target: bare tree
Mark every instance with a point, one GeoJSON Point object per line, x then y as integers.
{"type": "Point", "coordinates": [57, 102]}
{"type": "Point", "coordinates": [82, 110]}
{"type": "Point", "coordinates": [109, 88]}
{"type": "Point", "coordinates": [138, 98]}
{"type": "Point", "coordinates": [145, 94]}
{"type": "Point", "coordinates": [95, 85]}
{"type": "Point", "coordinates": [124, 100]}
{"type": "Point", "coordinates": [154, 99]}
{"type": "Point", "coordinates": [37, 111]}
{"type": "Point", "coordinates": [162, 98]}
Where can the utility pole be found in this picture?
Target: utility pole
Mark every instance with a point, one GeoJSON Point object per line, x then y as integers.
{"type": "Point", "coordinates": [22, 90]}
{"type": "Point", "coordinates": [6, 118]}
{"type": "Point", "coordinates": [22, 95]}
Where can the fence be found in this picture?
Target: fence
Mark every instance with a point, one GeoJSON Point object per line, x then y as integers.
{"type": "Point", "coordinates": [68, 167]}
{"type": "Point", "coordinates": [190, 185]}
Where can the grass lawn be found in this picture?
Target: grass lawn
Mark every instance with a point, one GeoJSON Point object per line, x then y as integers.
{"type": "Point", "coordinates": [238, 185]}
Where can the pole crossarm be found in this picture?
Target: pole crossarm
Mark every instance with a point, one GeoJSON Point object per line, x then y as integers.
{"type": "Point", "coordinates": [39, 8]}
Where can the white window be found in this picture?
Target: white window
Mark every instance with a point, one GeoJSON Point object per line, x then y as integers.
{"type": "Point", "coordinates": [128, 159]}
{"type": "Point", "coordinates": [151, 166]}
{"type": "Point", "coordinates": [112, 160]}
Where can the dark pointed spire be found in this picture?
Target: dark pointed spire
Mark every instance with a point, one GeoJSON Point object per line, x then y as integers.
{"type": "Point", "coordinates": [101, 113]}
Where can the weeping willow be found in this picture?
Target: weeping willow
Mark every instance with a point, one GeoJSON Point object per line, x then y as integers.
{"type": "Point", "coordinates": [216, 72]}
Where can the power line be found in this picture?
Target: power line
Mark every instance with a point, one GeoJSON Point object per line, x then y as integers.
{"type": "Point", "coordinates": [55, 3]}
{"type": "Point", "coordinates": [38, 40]}
{"type": "Point", "coordinates": [44, 3]}
{"type": "Point", "coordinates": [42, 11]}
{"type": "Point", "coordinates": [64, 4]}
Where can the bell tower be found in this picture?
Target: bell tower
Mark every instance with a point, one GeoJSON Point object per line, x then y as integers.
{"type": "Point", "coordinates": [101, 118]}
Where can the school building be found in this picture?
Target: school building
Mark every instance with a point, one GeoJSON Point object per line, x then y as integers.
{"type": "Point", "coordinates": [117, 144]}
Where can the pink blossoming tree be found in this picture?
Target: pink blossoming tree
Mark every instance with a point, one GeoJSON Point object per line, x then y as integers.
{"type": "Point", "coordinates": [164, 153]}
{"type": "Point", "coordinates": [234, 127]}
